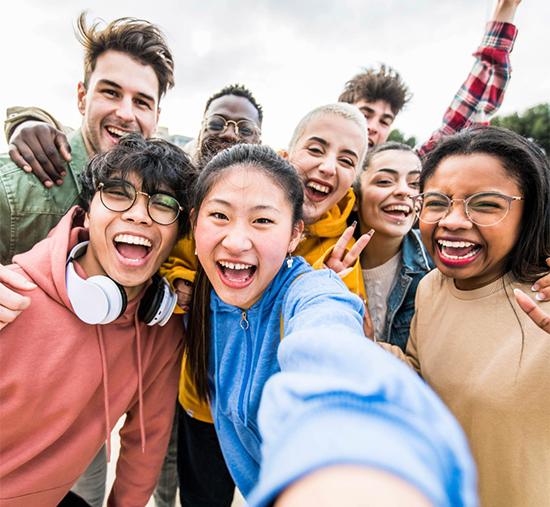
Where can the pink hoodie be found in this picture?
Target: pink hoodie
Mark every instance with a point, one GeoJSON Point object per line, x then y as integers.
{"type": "Point", "coordinates": [64, 384]}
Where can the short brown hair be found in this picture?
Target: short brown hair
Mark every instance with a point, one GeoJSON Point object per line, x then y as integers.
{"type": "Point", "coordinates": [373, 84]}
{"type": "Point", "coordinates": [140, 39]}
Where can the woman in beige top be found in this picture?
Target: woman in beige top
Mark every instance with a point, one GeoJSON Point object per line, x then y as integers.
{"type": "Point", "coordinates": [485, 219]}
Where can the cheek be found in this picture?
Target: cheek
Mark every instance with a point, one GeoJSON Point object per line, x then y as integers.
{"type": "Point", "coordinates": [427, 232]}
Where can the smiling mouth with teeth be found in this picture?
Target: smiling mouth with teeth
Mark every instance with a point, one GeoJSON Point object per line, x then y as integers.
{"type": "Point", "coordinates": [400, 211]}
{"type": "Point", "coordinates": [236, 272]}
{"type": "Point", "coordinates": [115, 132]}
{"type": "Point", "coordinates": [132, 247]}
{"type": "Point", "coordinates": [457, 251]}
{"type": "Point", "coordinates": [316, 191]}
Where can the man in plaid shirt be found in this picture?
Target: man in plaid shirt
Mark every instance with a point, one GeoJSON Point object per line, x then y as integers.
{"type": "Point", "coordinates": [381, 94]}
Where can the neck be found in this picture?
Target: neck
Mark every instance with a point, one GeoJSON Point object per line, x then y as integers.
{"type": "Point", "coordinates": [379, 250]}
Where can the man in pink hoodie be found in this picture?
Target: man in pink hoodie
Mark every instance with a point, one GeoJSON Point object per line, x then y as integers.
{"type": "Point", "coordinates": [90, 349]}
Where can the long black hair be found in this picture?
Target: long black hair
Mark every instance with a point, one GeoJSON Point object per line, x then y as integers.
{"type": "Point", "coordinates": [257, 157]}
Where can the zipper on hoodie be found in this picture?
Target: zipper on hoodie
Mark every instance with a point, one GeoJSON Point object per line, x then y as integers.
{"type": "Point", "coordinates": [245, 325]}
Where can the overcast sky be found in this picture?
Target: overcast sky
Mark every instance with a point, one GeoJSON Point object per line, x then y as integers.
{"type": "Point", "coordinates": [294, 55]}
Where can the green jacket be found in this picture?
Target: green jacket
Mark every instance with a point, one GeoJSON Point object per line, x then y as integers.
{"type": "Point", "coordinates": [28, 210]}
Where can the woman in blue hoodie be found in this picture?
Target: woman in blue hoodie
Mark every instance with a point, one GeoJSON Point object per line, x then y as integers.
{"type": "Point", "coordinates": [279, 352]}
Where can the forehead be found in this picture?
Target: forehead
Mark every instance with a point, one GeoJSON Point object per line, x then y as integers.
{"type": "Point", "coordinates": [243, 187]}
{"type": "Point", "coordinates": [129, 74]}
{"type": "Point", "coordinates": [335, 130]}
{"type": "Point", "coordinates": [233, 107]}
{"type": "Point", "coordinates": [463, 175]}
{"type": "Point", "coordinates": [403, 162]}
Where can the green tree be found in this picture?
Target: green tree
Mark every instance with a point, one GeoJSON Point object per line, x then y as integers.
{"type": "Point", "coordinates": [534, 123]}
{"type": "Point", "coordinates": [398, 136]}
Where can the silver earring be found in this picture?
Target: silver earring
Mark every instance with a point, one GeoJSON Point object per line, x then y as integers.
{"type": "Point", "coordinates": [289, 260]}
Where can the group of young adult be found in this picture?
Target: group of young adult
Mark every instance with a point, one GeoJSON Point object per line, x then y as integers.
{"type": "Point", "coordinates": [280, 392]}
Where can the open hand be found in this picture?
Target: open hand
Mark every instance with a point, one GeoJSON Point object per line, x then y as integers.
{"type": "Point", "coordinates": [11, 302]}
{"type": "Point", "coordinates": [341, 259]}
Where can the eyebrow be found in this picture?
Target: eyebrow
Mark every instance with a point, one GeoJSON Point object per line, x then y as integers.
{"type": "Point", "coordinates": [118, 87]}
{"type": "Point", "coordinates": [258, 207]}
{"type": "Point", "coordinates": [322, 141]}
{"type": "Point", "coordinates": [394, 171]}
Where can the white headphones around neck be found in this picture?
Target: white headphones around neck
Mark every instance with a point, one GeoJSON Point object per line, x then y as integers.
{"type": "Point", "coordinates": [101, 300]}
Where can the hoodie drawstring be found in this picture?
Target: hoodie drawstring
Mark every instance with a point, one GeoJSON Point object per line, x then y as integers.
{"type": "Point", "coordinates": [140, 383]}
{"type": "Point", "coordinates": [105, 378]}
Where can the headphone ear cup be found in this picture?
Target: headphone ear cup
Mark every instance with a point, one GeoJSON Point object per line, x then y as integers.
{"type": "Point", "coordinates": [158, 302]}
{"type": "Point", "coordinates": [96, 300]}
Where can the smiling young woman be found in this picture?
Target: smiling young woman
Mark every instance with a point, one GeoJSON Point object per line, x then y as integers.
{"type": "Point", "coordinates": [485, 219]}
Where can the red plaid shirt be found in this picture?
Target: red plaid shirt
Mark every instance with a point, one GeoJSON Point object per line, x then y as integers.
{"type": "Point", "coordinates": [481, 94]}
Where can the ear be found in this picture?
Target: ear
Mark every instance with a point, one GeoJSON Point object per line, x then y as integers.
{"type": "Point", "coordinates": [81, 94]}
{"type": "Point", "coordinates": [87, 219]}
{"type": "Point", "coordinates": [296, 236]}
{"type": "Point", "coordinates": [192, 220]}
{"type": "Point", "coordinates": [283, 154]}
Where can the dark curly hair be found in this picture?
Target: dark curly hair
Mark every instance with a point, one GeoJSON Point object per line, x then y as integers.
{"type": "Point", "coordinates": [383, 83]}
{"type": "Point", "coordinates": [161, 166]}
{"type": "Point", "coordinates": [240, 91]}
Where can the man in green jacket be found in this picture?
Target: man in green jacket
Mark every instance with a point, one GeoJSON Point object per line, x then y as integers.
{"type": "Point", "coordinates": [127, 69]}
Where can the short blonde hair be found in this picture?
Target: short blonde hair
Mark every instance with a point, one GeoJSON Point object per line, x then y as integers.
{"type": "Point", "coordinates": [346, 111]}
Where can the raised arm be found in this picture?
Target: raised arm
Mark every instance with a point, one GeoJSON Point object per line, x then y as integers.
{"type": "Point", "coordinates": [482, 93]}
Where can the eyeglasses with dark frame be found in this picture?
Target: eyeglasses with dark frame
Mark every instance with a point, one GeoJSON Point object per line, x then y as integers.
{"type": "Point", "coordinates": [484, 208]}
{"type": "Point", "coordinates": [120, 195]}
{"type": "Point", "coordinates": [217, 124]}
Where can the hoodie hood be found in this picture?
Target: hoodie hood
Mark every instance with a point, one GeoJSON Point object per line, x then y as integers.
{"type": "Point", "coordinates": [42, 263]}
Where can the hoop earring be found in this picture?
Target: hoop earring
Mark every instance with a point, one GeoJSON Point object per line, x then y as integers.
{"type": "Point", "coordinates": [289, 260]}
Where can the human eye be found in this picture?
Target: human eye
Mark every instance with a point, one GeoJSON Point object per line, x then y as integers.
{"type": "Point", "coordinates": [117, 190]}
{"type": "Point", "coordinates": [415, 184]}
{"type": "Point", "coordinates": [348, 162]}
{"type": "Point", "coordinates": [487, 203]}
{"type": "Point", "coordinates": [216, 124]}
{"type": "Point", "coordinates": [315, 149]}
{"type": "Point", "coordinates": [143, 103]}
{"type": "Point", "coordinates": [435, 201]}
{"type": "Point", "coordinates": [110, 92]}
{"type": "Point", "coordinates": [263, 221]}
{"type": "Point", "coordinates": [383, 181]}
{"type": "Point", "coordinates": [246, 129]}
{"type": "Point", "coordinates": [218, 215]}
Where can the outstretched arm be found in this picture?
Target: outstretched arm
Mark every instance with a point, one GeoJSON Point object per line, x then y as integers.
{"type": "Point", "coordinates": [482, 93]}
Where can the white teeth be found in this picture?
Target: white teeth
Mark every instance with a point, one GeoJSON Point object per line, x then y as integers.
{"type": "Point", "coordinates": [317, 186]}
{"type": "Point", "coordinates": [232, 265]}
{"type": "Point", "coordinates": [471, 253]}
{"type": "Point", "coordinates": [115, 131]}
{"type": "Point", "coordinates": [398, 207]}
{"type": "Point", "coordinates": [455, 244]}
{"type": "Point", "coordinates": [132, 240]}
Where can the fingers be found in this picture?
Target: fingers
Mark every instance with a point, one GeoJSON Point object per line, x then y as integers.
{"type": "Point", "coordinates": [542, 286]}
{"type": "Point", "coordinates": [355, 251]}
{"type": "Point", "coordinates": [38, 146]}
{"type": "Point", "coordinates": [339, 249]}
{"type": "Point", "coordinates": [12, 303]}
{"type": "Point", "coordinates": [63, 146]}
{"type": "Point", "coordinates": [18, 159]}
{"type": "Point", "coordinates": [535, 313]}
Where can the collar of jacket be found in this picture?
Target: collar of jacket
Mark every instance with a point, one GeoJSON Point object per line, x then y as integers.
{"type": "Point", "coordinates": [415, 258]}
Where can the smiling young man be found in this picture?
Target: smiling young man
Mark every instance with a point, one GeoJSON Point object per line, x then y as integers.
{"type": "Point", "coordinates": [127, 69]}
{"type": "Point", "coordinates": [381, 94]}
{"type": "Point", "coordinates": [96, 353]}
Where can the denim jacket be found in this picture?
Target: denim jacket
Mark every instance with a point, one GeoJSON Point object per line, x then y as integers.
{"type": "Point", "coordinates": [28, 210]}
{"type": "Point", "coordinates": [415, 264]}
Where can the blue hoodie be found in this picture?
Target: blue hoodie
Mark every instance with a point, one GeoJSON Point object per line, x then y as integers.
{"type": "Point", "coordinates": [332, 397]}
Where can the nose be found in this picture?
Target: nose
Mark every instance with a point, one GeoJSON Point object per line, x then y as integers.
{"type": "Point", "coordinates": [138, 213]}
{"type": "Point", "coordinates": [230, 131]}
{"type": "Point", "coordinates": [402, 189]}
{"type": "Point", "coordinates": [125, 109]}
{"type": "Point", "coordinates": [456, 218]}
{"type": "Point", "coordinates": [237, 239]}
{"type": "Point", "coordinates": [328, 165]}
